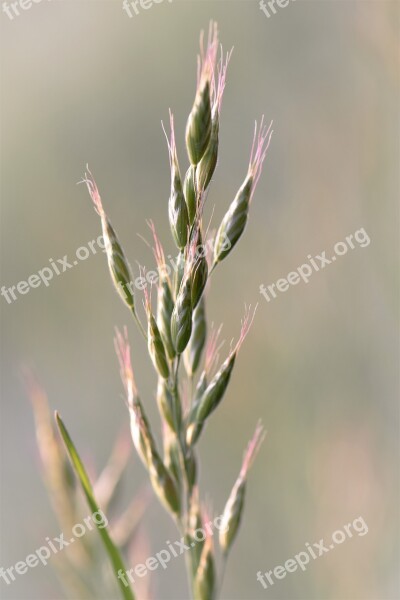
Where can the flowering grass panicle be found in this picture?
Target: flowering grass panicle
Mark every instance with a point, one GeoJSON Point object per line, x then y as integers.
{"type": "Point", "coordinates": [187, 397]}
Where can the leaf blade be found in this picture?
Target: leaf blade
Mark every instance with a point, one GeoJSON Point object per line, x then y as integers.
{"type": "Point", "coordinates": [112, 550]}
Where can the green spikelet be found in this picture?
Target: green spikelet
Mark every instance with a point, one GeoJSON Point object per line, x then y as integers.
{"type": "Point", "coordinates": [234, 222]}
{"type": "Point", "coordinates": [197, 341]}
{"type": "Point", "coordinates": [198, 128]}
{"type": "Point", "coordinates": [210, 399]}
{"type": "Point", "coordinates": [199, 268]}
{"type": "Point", "coordinates": [181, 320]}
{"type": "Point", "coordinates": [117, 263]}
{"type": "Point", "coordinates": [177, 209]}
{"type": "Point", "coordinates": [165, 403]}
{"type": "Point", "coordinates": [232, 515]}
{"type": "Point", "coordinates": [189, 187]}
{"type": "Point", "coordinates": [155, 343]}
{"type": "Point", "coordinates": [165, 306]}
{"type": "Point", "coordinates": [156, 348]}
{"type": "Point", "coordinates": [206, 167]}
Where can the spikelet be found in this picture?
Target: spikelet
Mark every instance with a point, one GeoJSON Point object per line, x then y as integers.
{"type": "Point", "coordinates": [198, 266]}
{"type": "Point", "coordinates": [118, 265]}
{"type": "Point", "coordinates": [155, 343]}
{"type": "Point", "coordinates": [216, 389]}
{"type": "Point", "coordinates": [135, 407]}
{"type": "Point", "coordinates": [181, 320]}
{"type": "Point", "coordinates": [211, 357]}
{"type": "Point", "coordinates": [206, 167]}
{"type": "Point", "coordinates": [233, 510]}
{"type": "Point", "coordinates": [234, 221]}
{"type": "Point", "coordinates": [165, 301]}
{"type": "Point", "coordinates": [177, 209]}
{"type": "Point", "coordinates": [198, 127]}
{"type": "Point", "coordinates": [194, 350]}
{"type": "Point", "coordinates": [165, 403]}
{"type": "Point", "coordinates": [162, 481]}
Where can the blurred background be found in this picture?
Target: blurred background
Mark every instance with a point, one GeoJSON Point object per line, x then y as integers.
{"type": "Point", "coordinates": [84, 83]}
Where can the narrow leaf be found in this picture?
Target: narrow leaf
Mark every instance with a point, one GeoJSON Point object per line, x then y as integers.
{"type": "Point", "coordinates": [112, 550]}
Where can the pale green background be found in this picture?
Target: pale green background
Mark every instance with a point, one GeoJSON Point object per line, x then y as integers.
{"type": "Point", "coordinates": [84, 83]}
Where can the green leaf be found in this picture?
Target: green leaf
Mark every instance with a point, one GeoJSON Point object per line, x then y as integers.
{"type": "Point", "coordinates": [112, 550]}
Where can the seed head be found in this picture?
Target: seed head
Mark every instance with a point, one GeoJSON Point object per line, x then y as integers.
{"type": "Point", "coordinates": [198, 128]}
{"type": "Point", "coordinates": [181, 320]}
{"type": "Point", "coordinates": [234, 507]}
{"type": "Point", "coordinates": [206, 167]}
{"type": "Point", "coordinates": [165, 301]}
{"type": "Point", "coordinates": [234, 221]}
{"type": "Point", "coordinates": [197, 341]}
{"type": "Point", "coordinates": [138, 419]}
{"type": "Point", "coordinates": [216, 389]}
{"type": "Point", "coordinates": [198, 267]}
{"type": "Point", "coordinates": [162, 481]}
{"type": "Point", "coordinates": [155, 343]}
{"type": "Point", "coordinates": [177, 209]}
{"type": "Point", "coordinates": [118, 265]}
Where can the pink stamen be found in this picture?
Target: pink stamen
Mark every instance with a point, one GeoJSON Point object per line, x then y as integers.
{"type": "Point", "coordinates": [259, 150]}
{"type": "Point", "coordinates": [94, 192]}
{"type": "Point", "coordinates": [220, 87]}
{"type": "Point", "coordinates": [207, 58]}
{"type": "Point", "coordinates": [252, 449]}
{"type": "Point", "coordinates": [158, 249]}
{"type": "Point", "coordinates": [212, 349]}
{"type": "Point", "coordinates": [246, 323]}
